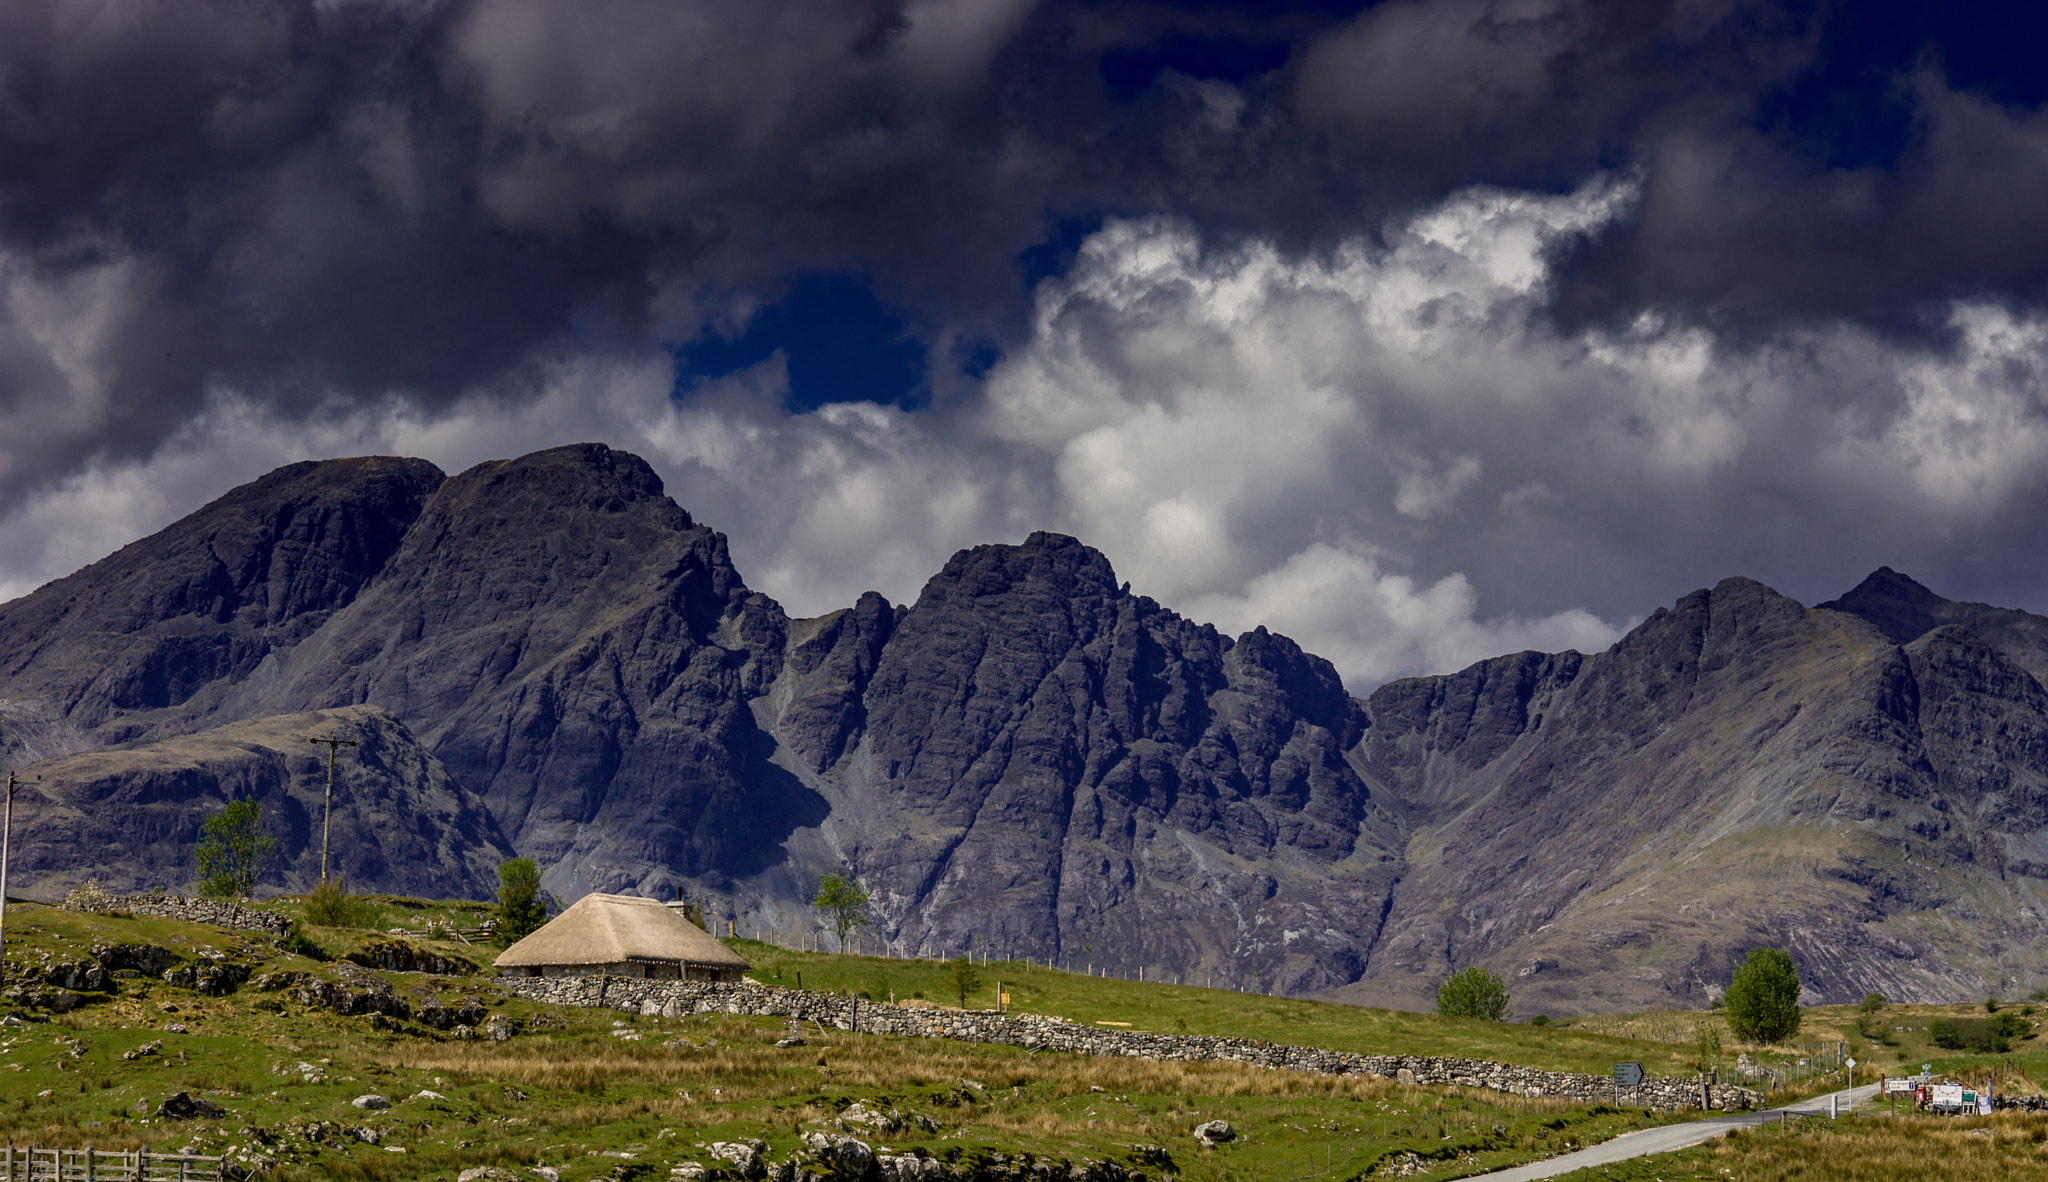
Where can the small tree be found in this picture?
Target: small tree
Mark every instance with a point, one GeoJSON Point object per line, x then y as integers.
{"type": "Point", "coordinates": [960, 974]}
{"type": "Point", "coordinates": [841, 899]}
{"type": "Point", "coordinates": [520, 909]}
{"type": "Point", "coordinates": [1472, 992]}
{"type": "Point", "coordinates": [1763, 997]}
{"type": "Point", "coordinates": [232, 851]}
{"type": "Point", "coordinates": [1706, 1038]}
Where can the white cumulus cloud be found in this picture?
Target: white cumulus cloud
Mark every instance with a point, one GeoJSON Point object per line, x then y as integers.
{"type": "Point", "coordinates": [1389, 450]}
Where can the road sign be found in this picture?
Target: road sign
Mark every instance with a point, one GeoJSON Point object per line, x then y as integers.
{"type": "Point", "coordinates": [1852, 1062]}
{"type": "Point", "coordinates": [1628, 1075]}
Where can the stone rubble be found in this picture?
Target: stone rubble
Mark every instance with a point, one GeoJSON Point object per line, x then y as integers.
{"type": "Point", "coordinates": [183, 1106]}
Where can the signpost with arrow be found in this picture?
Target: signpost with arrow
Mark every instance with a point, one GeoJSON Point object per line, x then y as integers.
{"type": "Point", "coordinates": [1626, 1075]}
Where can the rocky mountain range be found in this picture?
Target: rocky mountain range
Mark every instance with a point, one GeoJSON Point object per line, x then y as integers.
{"type": "Point", "coordinates": [547, 656]}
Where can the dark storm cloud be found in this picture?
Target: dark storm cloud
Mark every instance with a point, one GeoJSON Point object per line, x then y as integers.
{"type": "Point", "coordinates": [235, 233]}
{"type": "Point", "coordinates": [1750, 232]}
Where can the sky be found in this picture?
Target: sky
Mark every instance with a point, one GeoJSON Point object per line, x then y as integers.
{"type": "Point", "coordinates": [1420, 331]}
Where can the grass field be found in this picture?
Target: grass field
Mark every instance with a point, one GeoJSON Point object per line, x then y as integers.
{"type": "Point", "coordinates": [599, 1095]}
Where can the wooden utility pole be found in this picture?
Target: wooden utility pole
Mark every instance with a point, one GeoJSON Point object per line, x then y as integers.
{"type": "Point", "coordinates": [334, 744]}
{"type": "Point", "coordinates": [6, 840]}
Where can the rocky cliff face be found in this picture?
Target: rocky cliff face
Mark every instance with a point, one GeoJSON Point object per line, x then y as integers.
{"type": "Point", "coordinates": [1031, 758]}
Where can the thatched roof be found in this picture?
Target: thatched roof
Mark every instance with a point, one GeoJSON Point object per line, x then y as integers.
{"type": "Point", "coordinates": [609, 929]}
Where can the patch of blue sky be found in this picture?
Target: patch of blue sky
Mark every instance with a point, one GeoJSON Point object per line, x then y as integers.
{"type": "Point", "coordinates": [1853, 107]}
{"type": "Point", "coordinates": [839, 342]}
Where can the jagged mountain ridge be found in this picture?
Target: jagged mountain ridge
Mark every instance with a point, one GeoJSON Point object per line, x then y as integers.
{"type": "Point", "coordinates": [1738, 770]}
{"type": "Point", "coordinates": [1034, 756]}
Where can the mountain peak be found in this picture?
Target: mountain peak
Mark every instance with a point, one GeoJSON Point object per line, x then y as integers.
{"type": "Point", "coordinates": [1055, 563]}
{"type": "Point", "coordinates": [1900, 607]}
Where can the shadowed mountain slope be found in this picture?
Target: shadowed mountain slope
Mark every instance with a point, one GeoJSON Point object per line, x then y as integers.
{"type": "Point", "coordinates": [132, 814]}
{"type": "Point", "coordinates": [146, 640]}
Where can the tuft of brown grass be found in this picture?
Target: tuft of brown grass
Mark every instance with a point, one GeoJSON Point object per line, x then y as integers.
{"type": "Point", "coordinates": [1984, 1149]}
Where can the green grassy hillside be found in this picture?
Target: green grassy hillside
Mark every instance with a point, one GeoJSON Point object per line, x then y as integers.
{"type": "Point", "coordinates": [598, 1095]}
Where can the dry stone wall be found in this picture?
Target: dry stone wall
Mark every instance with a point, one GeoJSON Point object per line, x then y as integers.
{"type": "Point", "coordinates": [226, 915]}
{"type": "Point", "coordinates": [677, 998]}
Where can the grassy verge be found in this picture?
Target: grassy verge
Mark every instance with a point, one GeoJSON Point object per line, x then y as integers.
{"type": "Point", "coordinates": [2005, 1148]}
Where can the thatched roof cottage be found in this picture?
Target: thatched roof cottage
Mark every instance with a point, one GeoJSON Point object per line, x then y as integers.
{"type": "Point", "coordinates": [624, 937]}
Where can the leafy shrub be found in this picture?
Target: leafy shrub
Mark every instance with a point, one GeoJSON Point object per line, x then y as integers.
{"type": "Point", "coordinates": [1763, 997]}
{"type": "Point", "coordinates": [1472, 992]}
{"type": "Point", "coordinates": [1985, 1036]}
{"type": "Point", "coordinates": [88, 896]}
{"type": "Point", "coordinates": [1540, 1020]}
{"type": "Point", "coordinates": [1990, 1005]}
{"type": "Point", "coordinates": [296, 943]}
{"type": "Point", "coordinates": [1872, 1002]}
{"type": "Point", "coordinates": [331, 906]}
